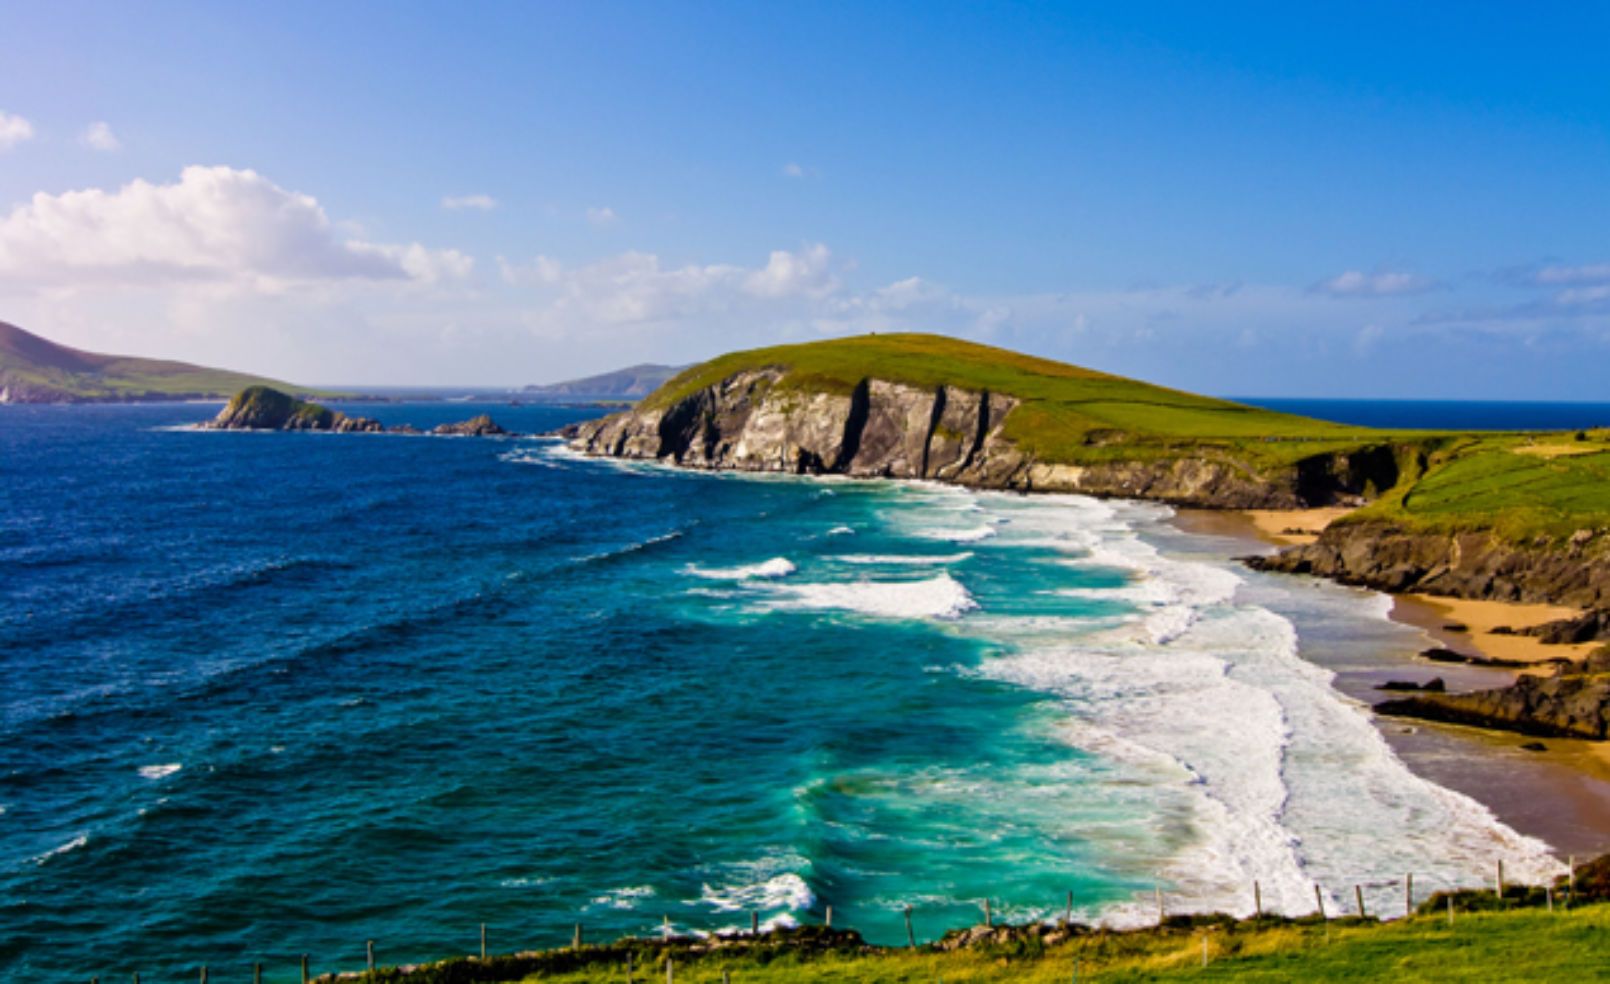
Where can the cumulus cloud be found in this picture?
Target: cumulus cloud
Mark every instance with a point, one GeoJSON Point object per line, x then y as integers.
{"type": "Point", "coordinates": [637, 287]}
{"type": "Point", "coordinates": [796, 170]}
{"type": "Point", "coordinates": [1355, 283]}
{"type": "Point", "coordinates": [483, 203]}
{"type": "Point", "coordinates": [601, 216]}
{"type": "Point", "coordinates": [215, 224]}
{"type": "Point", "coordinates": [13, 131]}
{"type": "Point", "coordinates": [99, 136]}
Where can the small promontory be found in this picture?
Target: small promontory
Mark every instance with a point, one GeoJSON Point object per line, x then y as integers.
{"type": "Point", "coordinates": [931, 407]}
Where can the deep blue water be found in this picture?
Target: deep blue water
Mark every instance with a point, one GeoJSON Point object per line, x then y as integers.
{"type": "Point", "coordinates": [1446, 414]}
{"type": "Point", "coordinates": [268, 694]}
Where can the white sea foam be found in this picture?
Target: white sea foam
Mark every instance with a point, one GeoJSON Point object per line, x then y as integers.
{"type": "Point", "coordinates": [911, 560]}
{"type": "Point", "coordinates": [773, 568]}
{"type": "Point", "coordinates": [60, 849]}
{"type": "Point", "coordinates": [939, 597]}
{"type": "Point", "coordinates": [971, 534]}
{"type": "Point", "coordinates": [786, 891]}
{"type": "Point", "coordinates": [159, 771]}
{"type": "Point", "coordinates": [623, 898]}
{"type": "Point", "coordinates": [1204, 701]}
{"type": "Point", "coordinates": [841, 531]}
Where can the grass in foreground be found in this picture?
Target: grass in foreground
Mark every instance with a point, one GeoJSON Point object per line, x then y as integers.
{"type": "Point", "coordinates": [1525, 945]}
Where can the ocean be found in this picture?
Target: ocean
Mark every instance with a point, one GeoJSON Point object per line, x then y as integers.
{"type": "Point", "coordinates": [276, 694]}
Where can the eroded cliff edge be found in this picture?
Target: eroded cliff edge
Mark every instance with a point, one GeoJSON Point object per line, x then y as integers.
{"type": "Point", "coordinates": [757, 420]}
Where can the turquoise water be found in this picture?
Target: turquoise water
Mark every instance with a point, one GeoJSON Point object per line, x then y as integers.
{"type": "Point", "coordinates": [273, 694]}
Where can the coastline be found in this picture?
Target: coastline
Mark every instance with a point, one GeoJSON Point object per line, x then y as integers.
{"type": "Point", "coordinates": [1560, 795]}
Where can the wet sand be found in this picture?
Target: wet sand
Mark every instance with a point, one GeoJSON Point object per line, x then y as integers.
{"type": "Point", "coordinates": [1560, 795]}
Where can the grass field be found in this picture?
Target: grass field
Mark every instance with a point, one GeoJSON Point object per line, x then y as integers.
{"type": "Point", "coordinates": [1519, 485]}
{"type": "Point", "coordinates": [1524, 945]}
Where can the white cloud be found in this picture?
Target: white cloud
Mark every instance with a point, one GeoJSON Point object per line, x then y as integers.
{"type": "Point", "coordinates": [601, 216]}
{"type": "Point", "coordinates": [484, 203]}
{"type": "Point", "coordinates": [1355, 283]}
{"type": "Point", "coordinates": [794, 170]}
{"type": "Point", "coordinates": [1589, 273]}
{"type": "Point", "coordinates": [215, 224]}
{"type": "Point", "coordinates": [13, 131]}
{"type": "Point", "coordinates": [789, 273]}
{"type": "Point", "coordinates": [99, 136]}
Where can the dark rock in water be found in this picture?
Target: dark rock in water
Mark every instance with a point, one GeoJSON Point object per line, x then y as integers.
{"type": "Point", "coordinates": [1456, 627]}
{"type": "Point", "coordinates": [482, 426]}
{"type": "Point", "coordinates": [1573, 702]}
{"type": "Point", "coordinates": [1442, 655]}
{"type": "Point", "coordinates": [263, 408]}
{"type": "Point", "coordinates": [1435, 685]}
{"type": "Point", "coordinates": [1534, 746]}
{"type": "Point", "coordinates": [356, 425]}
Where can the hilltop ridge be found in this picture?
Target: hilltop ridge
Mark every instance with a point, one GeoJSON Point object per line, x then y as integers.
{"type": "Point", "coordinates": [36, 370]}
{"type": "Point", "coordinates": [928, 406]}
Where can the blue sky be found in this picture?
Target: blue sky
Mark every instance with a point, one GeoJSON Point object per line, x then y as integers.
{"type": "Point", "coordinates": [1369, 200]}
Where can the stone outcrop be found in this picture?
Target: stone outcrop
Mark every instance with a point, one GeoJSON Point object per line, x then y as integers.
{"type": "Point", "coordinates": [756, 420]}
{"type": "Point", "coordinates": [263, 408]}
{"type": "Point", "coordinates": [481, 426]}
{"type": "Point", "coordinates": [1475, 564]}
{"type": "Point", "coordinates": [1573, 702]}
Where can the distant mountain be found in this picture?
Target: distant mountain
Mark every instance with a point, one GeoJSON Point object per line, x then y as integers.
{"type": "Point", "coordinates": [36, 370]}
{"type": "Point", "coordinates": [632, 383]}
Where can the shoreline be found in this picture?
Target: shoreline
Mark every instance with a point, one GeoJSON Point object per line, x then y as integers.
{"type": "Point", "coordinates": [1560, 795]}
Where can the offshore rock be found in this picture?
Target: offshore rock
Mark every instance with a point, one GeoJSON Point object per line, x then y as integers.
{"type": "Point", "coordinates": [481, 426]}
{"type": "Point", "coordinates": [264, 408]}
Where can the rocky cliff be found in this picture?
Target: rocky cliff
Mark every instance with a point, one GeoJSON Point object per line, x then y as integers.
{"type": "Point", "coordinates": [1573, 702]}
{"type": "Point", "coordinates": [1472, 564]}
{"type": "Point", "coordinates": [754, 421]}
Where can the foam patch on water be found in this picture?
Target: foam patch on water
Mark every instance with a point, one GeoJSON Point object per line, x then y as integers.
{"type": "Point", "coordinates": [1267, 771]}
{"type": "Point", "coordinates": [59, 850]}
{"type": "Point", "coordinates": [841, 531]}
{"type": "Point", "coordinates": [939, 597]}
{"type": "Point", "coordinates": [159, 771]}
{"type": "Point", "coordinates": [972, 534]}
{"type": "Point", "coordinates": [912, 560]}
{"type": "Point", "coordinates": [623, 898]}
{"type": "Point", "coordinates": [773, 568]}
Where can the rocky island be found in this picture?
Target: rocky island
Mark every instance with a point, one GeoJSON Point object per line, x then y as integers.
{"type": "Point", "coordinates": [265, 408]}
{"type": "Point", "coordinates": [1506, 517]}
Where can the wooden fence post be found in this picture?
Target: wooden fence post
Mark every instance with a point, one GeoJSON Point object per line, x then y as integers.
{"type": "Point", "coordinates": [575, 938]}
{"type": "Point", "coordinates": [829, 917]}
{"type": "Point", "coordinates": [1548, 896]}
{"type": "Point", "coordinates": [304, 969]}
{"type": "Point", "coordinates": [257, 973]}
{"type": "Point", "coordinates": [483, 941]}
{"type": "Point", "coordinates": [1067, 914]}
{"type": "Point", "coordinates": [1257, 899]}
{"type": "Point", "coordinates": [1408, 895]}
{"type": "Point", "coordinates": [1500, 882]}
{"type": "Point", "coordinates": [1358, 893]}
{"type": "Point", "coordinates": [989, 920]}
{"type": "Point", "coordinates": [1450, 911]}
{"type": "Point", "coordinates": [911, 938]}
{"type": "Point", "coordinates": [1319, 902]}
{"type": "Point", "coordinates": [1204, 948]}
{"type": "Point", "coordinates": [726, 976]}
{"type": "Point", "coordinates": [670, 971]}
{"type": "Point", "coordinates": [370, 948]}
{"type": "Point", "coordinates": [1157, 890]}
{"type": "Point", "coordinates": [1571, 898]}
{"type": "Point", "coordinates": [754, 923]}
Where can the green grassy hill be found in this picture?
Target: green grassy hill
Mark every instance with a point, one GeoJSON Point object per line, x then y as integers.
{"type": "Point", "coordinates": [1521, 485]}
{"type": "Point", "coordinates": [35, 370]}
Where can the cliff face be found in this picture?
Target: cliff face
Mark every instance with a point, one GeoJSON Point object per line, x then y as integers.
{"type": "Point", "coordinates": [1572, 703]}
{"type": "Point", "coordinates": [1464, 565]}
{"type": "Point", "coordinates": [748, 422]}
